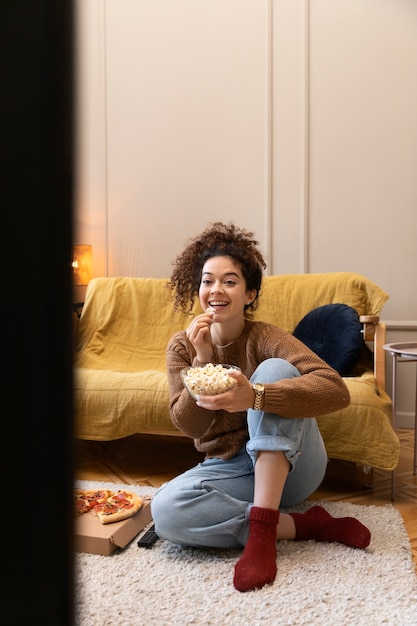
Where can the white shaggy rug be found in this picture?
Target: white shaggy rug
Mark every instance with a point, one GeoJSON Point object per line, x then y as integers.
{"type": "Point", "coordinates": [317, 583]}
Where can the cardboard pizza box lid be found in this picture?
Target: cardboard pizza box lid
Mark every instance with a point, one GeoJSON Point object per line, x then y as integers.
{"type": "Point", "coordinates": [96, 538]}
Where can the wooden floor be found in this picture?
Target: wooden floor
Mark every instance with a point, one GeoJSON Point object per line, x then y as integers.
{"type": "Point", "coordinates": [152, 460]}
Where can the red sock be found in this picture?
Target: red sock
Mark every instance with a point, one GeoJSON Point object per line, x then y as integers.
{"type": "Point", "coordinates": [257, 566]}
{"type": "Point", "coordinates": [318, 524]}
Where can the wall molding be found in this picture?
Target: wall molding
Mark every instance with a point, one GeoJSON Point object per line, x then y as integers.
{"type": "Point", "coordinates": [405, 419]}
{"type": "Point", "coordinates": [400, 324]}
{"type": "Point", "coordinates": [268, 229]}
{"type": "Point", "coordinates": [305, 217]}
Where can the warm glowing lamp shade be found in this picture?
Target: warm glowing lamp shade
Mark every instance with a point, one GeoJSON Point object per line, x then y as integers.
{"type": "Point", "coordinates": [81, 264]}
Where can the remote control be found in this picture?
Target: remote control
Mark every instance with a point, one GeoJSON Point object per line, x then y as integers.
{"type": "Point", "coordinates": [148, 539]}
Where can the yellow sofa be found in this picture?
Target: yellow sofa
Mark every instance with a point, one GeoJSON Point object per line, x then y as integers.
{"type": "Point", "coordinates": [120, 382]}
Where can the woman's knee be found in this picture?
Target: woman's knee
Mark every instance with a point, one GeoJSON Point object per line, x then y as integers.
{"type": "Point", "coordinates": [274, 369]}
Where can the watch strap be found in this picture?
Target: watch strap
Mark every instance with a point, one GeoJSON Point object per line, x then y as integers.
{"type": "Point", "coordinates": [259, 394]}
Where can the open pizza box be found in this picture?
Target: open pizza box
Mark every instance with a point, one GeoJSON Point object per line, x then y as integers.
{"type": "Point", "coordinates": [96, 538]}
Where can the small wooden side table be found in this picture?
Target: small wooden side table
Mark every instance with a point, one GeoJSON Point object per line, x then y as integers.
{"type": "Point", "coordinates": [402, 353]}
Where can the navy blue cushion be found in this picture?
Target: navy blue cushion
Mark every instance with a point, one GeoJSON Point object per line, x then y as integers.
{"type": "Point", "coordinates": [333, 331]}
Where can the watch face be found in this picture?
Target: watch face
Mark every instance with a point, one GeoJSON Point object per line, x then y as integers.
{"type": "Point", "coordinates": [259, 387]}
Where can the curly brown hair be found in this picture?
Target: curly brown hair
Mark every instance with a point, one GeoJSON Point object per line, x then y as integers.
{"type": "Point", "coordinates": [217, 239]}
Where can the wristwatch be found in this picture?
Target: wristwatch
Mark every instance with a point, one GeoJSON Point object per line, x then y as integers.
{"type": "Point", "coordinates": [259, 394]}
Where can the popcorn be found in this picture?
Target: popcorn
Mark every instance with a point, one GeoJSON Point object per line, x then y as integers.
{"type": "Point", "coordinates": [209, 380]}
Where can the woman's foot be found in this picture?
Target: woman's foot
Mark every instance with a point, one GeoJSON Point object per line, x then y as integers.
{"type": "Point", "coordinates": [319, 525]}
{"type": "Point", "coordinates": [257, 566]}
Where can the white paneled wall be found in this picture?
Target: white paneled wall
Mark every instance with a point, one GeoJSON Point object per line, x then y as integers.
{"type": "Point", "coordinates": [294, 118]}
{"type": "Point", "coordinates": [187, 131]}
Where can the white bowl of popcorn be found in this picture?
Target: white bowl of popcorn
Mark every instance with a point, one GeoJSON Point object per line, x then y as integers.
{"type": "Point", "coordinates": [208, 380]}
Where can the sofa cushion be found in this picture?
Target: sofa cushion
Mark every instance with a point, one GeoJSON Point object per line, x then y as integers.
{"type": "Point", "coordinates": [126, 324]}
{"type": "Point", "coordinates": [362, 432]}
{"type": "Point", "coordinates": [112, 404]}
{"type": "Point", "coordinates": [285, 299]}
{"type": "Point", "coordinates": [333, 331]}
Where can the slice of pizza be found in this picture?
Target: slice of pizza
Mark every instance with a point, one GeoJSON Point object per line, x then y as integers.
{"type": "Point", "coordinates": [119, 506]}
{"type": "Point", "coordinates": [86, 499]}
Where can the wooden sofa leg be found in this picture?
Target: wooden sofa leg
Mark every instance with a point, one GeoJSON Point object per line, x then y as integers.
{"type": "Point", "coordinates": [367, 476]}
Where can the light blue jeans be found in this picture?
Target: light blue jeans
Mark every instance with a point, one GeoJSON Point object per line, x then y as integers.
{"type": "Point", "coordinates": [209, 504]}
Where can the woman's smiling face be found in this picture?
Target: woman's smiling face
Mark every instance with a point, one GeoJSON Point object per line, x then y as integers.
{"type": "Point", "coordinates": [223, 289]}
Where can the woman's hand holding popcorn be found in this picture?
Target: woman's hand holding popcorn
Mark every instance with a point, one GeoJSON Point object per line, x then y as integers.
{"type": "Point", "coordinates": [198, 333]}
{"type": "Point", "coordinates": [217, 387]}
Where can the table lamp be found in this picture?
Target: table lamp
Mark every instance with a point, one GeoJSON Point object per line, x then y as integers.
{"type": "Point", "coordinates": [81, 270]}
